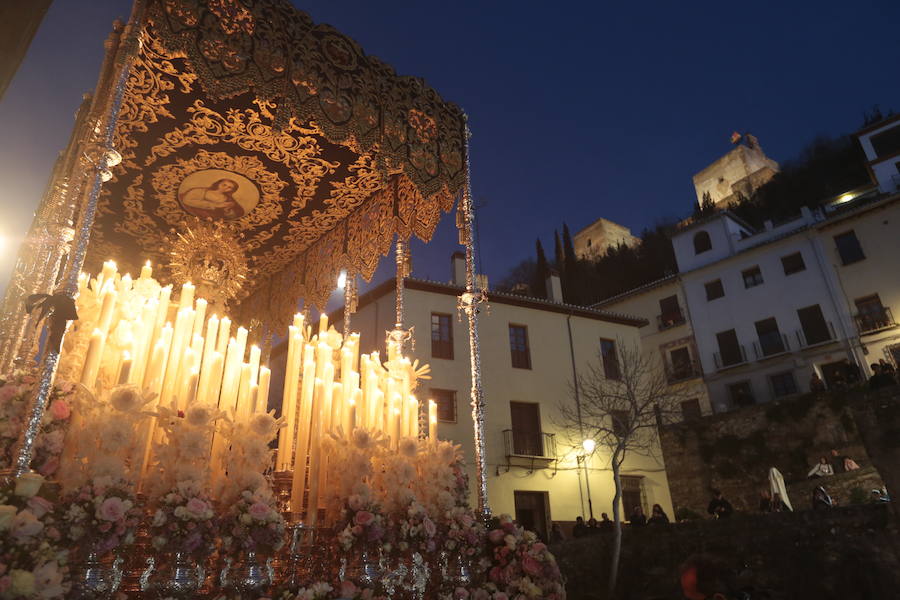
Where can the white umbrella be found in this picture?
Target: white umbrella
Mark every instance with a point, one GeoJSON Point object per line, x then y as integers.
{"type": "Point", "coordinates": [776, 483]}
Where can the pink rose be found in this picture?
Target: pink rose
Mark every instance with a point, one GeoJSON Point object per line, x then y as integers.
{"type": "Point", "coordinates": [539, 547]}
{"type": "Point", "coordinates": [196, 507]}
{"type": "Point", "coordinates": [363, 518]}
{"type": "Point", "coordinates": [60, 410]}
{"type": "Point", "coordinates": [348, 590]}
{"type": "Point", "coordinates": [531, 566]}
{"type": "Point", "coordinates": [496, 536]}
{"type": "Point", "coordinates": [39, 506]}
{"type": "Point", "coordinates": [259, 511]}
{"type": "Point", "coordinates": [429, 526]}
{"type": "Point", "coordinates": [112, 509]}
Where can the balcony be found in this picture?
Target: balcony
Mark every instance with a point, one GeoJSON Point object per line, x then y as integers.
{"type": "Point", "coordinates": [815, 337]}
{"type": "Point", "coordinates": [771, 345]}
{"type": "Point", "coordinates": [732, 357]}
{"type": "Point", "coordinates": [682, 372]}
{"type": "Point", "coordinates": [529, 449]}
{"type": "Point", "coordinates": [669, 320]}
{"type": "Point", "coordinates": [874, 320]}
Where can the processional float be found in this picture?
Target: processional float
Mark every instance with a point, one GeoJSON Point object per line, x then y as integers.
{"type": "Point", "coordinates": [236, 158]}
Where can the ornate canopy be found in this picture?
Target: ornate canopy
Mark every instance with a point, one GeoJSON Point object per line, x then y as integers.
{"type": "Point", "coordinates": [244, 112]}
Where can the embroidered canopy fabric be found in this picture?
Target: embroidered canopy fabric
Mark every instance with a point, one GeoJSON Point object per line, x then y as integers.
{"type": "Point", "coordinates": [314, 154]}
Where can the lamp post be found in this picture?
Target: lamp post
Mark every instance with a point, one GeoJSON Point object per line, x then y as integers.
{"type": "Point", "coordinates": [589, 445]}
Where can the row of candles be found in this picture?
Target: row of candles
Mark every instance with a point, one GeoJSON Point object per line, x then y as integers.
{"type": "Point", "coordinates": [331, 389]}
{"type": "Point", "coordinates": [174, 350]}
{"type": "Point", "coordinates": [169, 349]}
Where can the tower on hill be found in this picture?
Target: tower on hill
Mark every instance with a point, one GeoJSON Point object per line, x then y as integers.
{"type": "Point", "coordinates": [740, 172]}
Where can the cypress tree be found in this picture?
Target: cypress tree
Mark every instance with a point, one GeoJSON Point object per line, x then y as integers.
{"type": "Point", "coordinates": [571, 280]}
{"type": "Point", "coordinates": [558, 252]}
{"type": "Point", "coordinates": [539, 285]}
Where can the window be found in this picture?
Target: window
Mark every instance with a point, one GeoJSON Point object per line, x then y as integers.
{"type": "Point", "coordinates": [741, 394]}
{"type": "Point", "coordinates": [690, 409]}
{"type": "Point", "coordinates": [441, 336]}
{"type": "Point", "coordinates": [714, 290]}
{"type": "Point", "coordinates": [610, 359]}
{"type": "Point", "coordinates": [815, 328]}
{"type": "Point", "coordinates": [752, 277]}
{"type": "Point", "coordinates": [770, 340]}
{"type": "Point", "coordinates": [589, 243]}
{"type": "Point", "coordinates": [526, 429]}
{"type": "Point", "coordinates": [886, 142]}
{"type": "Point", "coordinates": [730, 351]}
{"type": "Point", "coordinates": [632, 493]}
{"type": "Point", "coordinates": [871, 314]}
{"type": "Point", "coordinates": [669, 312]}
{"type": "Point", "coordinates": [848, 247]}
{"type": "Point", "coordinates": [446, 405]}
{"type": "Point", "coordinates": [793, 263]}
{"type": "Point", "coordinates": [620, 422]}
{"type": "Point", "coordinates": [518, 347]}
{"type": "Point", "coordinates": [783, 384]}
{"type": "Point", "coordinates": [702, 243]}
{"type": "Point", "coordinates": [680, 361]}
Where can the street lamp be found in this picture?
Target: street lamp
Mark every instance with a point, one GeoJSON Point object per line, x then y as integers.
{"type": "Point", "coordinates": [589, 445]}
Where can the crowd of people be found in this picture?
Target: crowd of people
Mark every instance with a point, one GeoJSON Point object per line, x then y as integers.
{"type": "Point", "coordinates": [883, 375]}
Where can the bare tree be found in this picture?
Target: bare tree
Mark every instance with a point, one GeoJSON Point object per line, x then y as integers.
{"type": "Point", "coordinates": [619, 403]}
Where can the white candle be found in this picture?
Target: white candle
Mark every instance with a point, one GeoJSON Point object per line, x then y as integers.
{"type": "Point", "coordinates": [242, 410]}
{"type": "Point", "coordinates": [186, 299]}
{"type": "Point", "coordinates": [222, 338]}
{"type": "Point", "coordinates": [156, 368]}
{"type": "Point", "coordinates": [109, 271]}
{"type": "Point", "coordinates": [192, 387]}
{"type": "Point", "coordinates": [209, 351]}
{"type": "Point", "coordinates": [432, 420]}
{"type": "Point", "coordinates": [107, 307]}
{"type": "Point", "coordinates": [337, 406]}
{"type": "Point", "coordinates": [214, 382]}
{"type": "Point", "coordinates": [255, 354]}
{"type": "Point", "coordinates": [298, 321]}
{"type": "Point", "coordinates": [289, 400]}
{"type": "Point", "coordinates": [124, 368]}
{"type": "Point", "coordinates": [350, 422]}
{"type": "Point", "coordinates": [298, 488]}
{"type": "Point", "coordinates": [92, 359]}
{"type": "Point", "coordinates": [262, 398]}
{"type": "Point", "coordinates": [306, 408]}
{"type": "Point", "coordinates": [199, 317]}
{"type": "Point", "coordinates": [413, 417]}
{"type": "Point", "coordinates": [162, 314]}
{"type": "Point", "coordinates": [323, 325]}
{"type": "Point", "coordinates": [395, 426]}
{"type": "Point", "coordinates": [147, 271]}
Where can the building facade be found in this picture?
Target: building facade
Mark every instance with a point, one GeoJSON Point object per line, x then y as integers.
{"type": "Point", "coordinates": [738, 173]}
{"type": "Point", "coordinates": [531, 350]}
{"type": "Point", "coordinates": [593, 241]}
{"type": "Point", "coordinates": [881, 144]}
{"type": "Point", "coordinates": [669, 335]}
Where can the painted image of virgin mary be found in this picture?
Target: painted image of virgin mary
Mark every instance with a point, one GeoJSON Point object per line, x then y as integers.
{"type": "Point", "coordinates": [216, 201]}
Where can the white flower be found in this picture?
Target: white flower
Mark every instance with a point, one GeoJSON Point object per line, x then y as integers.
{"type": "Point", "coordinates": [7, 512]}
{"type": "Point", "coordinates": [126, 398]}
{"type": "Point", "coordinates": [194, 445]}
{"type": "Point", "coordinates": [362, 439]}
{"type": "Point", "coordinates": [263, 424]}
{"type": "Point", "coordinates": [159, 518]}
{"type": "Point", "coordinates": [28, 484]}
{"type": "Point", "coordinates": [408, 447]}
{"type": "Point", "coordinates": [48, 580]}
{"type": "Point", "coordinates": [200, 415]}
{"type": "Point", "coordinates": [115, 433]}
{"type": "Point", "coordinates": [21, 583]}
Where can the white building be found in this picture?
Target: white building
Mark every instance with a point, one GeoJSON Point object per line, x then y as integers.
{"type": "Point", "coordinates": [530, 351]}
{"type": "Point", "coordinates": [881, 144]}
{"type": "Point", "coordinates": [768, 309]}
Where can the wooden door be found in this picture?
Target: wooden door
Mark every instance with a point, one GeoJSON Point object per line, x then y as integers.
{"type": "Point", "coordinates": [532, 512]}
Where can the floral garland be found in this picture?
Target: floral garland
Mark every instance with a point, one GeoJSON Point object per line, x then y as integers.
{"type": "Point", "coordinates": [32, 558]}
{"type": "Point", "coordinates": [100, 516]}
{"type": "Point", "coordinates": [253, 523]}
{"type": "Point", "coordinates": [363, 522]}
{"type": "Point", "coordinates": [15, 392]}
{"type": "Point", "coordinates": [185, 521]}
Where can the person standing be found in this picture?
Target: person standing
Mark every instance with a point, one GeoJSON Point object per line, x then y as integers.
{"type": "Point", "coordinates": [580, 529]}
{"type": "Point", "coordinates": [719, 507]}
{"type": "Point", "coordinates": [658, 516]}
{"type": "Point", "coordinates": [765, 501]}
{"type": "Point", "coordinates": [816, 384]}
{"type": "Point", "coordinates": [638, 518]}
{"type": "Point", "coordinates": [778, 505]}
{"type": "Point", "coordinates": [605, 523]}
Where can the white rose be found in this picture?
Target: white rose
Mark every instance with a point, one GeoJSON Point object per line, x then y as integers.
{"type": "Point", "coordinates": [28, 484]}
{"type": "Point", "coordinates": [7, 512]}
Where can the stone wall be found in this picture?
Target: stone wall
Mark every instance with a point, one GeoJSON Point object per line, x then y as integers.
{"type": "Point", "coordinates": [733, 452]}
{"type": "Point", "coordinates": [845, 553]}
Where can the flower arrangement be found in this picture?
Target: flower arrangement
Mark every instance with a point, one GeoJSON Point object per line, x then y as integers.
{"type": "Point", "coordinates": [253, 523]}
{"type": "Point", "coordinates": [247, 455]}
{"type": "Point", "coordinates": [522, 566]}
{"type": "Point", "coordinates": [100, 516]}
{"type": "Point", "coordinates": [15, 391]}
{"type": "Point", "coordinates": [362, 521]}
{"type": "Point", "coordinates": [185, 521]}
{"type": "Point", "coordinates": [416, 530]}
{"type": "Point", "coordinates": [32, 559]}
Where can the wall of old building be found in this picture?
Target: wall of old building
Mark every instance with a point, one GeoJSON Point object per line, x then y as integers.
{"type": "Point", "coordinates": [733, 452]}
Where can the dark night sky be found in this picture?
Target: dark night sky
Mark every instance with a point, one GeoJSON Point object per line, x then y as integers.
{"type": "Point", "coordinates": [579, 110]}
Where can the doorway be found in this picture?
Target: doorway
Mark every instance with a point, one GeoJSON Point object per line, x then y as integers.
{"type": "Point", "coordinates": [533, 512]}
{"type": "Point", "coordinates": [834, 374]}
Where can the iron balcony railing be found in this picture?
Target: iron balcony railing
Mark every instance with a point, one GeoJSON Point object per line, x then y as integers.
{"type": "Point", "coordinates": [683, 371]}
{"type": "Point", "coordinates": [529, 443]}
{"type": "Point", "coordinates": [731, 357]}
{"type": "Point", "coordinates": [806, 339]}
{"type": "Point", "coordinates": [771, 345]}
{"type": "Point", "coordinates": [669, 320]}
{"type": "Point", "coordinates": [875, 320]}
